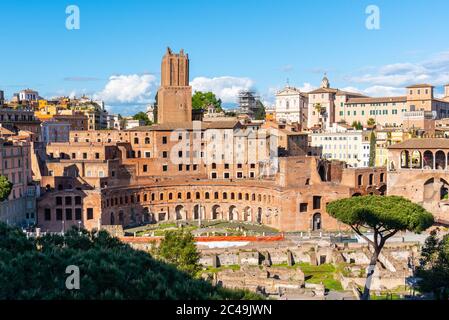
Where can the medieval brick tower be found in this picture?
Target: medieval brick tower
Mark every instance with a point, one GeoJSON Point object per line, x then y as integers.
{"type": "Point", "coordinates": [174, 103]}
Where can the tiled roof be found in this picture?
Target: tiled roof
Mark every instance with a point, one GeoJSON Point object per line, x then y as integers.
{"type": "Point", "coordinates": [188, 126]}
{"type": "Point", "coordinates": [425, 143]}
{"type": "Point", "coordinates": [422, 85]}
{"type": "Point", "coordinates": [377, 100]}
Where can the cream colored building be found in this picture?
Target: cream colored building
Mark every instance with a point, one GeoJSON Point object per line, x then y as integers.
{"type": "Point", "coordinates": [322, 104]}
{"type": "Point", "coordinates": [340, 143]}
{"type": "Point", "coordinates": [291, 106]}
{"type": "Point", "coordinates": [393, 111]}
{"type": "Point", "coordinates": [328, 105]}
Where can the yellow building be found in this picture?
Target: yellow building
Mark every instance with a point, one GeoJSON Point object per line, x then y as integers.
{"type": "Point", "coordinates": [386, 138]}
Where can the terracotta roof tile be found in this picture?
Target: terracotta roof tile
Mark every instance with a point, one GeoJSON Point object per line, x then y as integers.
{"type": "Point", "coordinates": [425, 143]}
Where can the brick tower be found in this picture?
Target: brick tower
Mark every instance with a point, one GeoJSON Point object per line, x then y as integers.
{"type": "Point", "coordinates": [174, 103]}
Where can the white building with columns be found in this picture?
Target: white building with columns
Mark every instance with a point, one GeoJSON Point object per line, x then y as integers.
{"type": "Point", "coordinates": [291, 106]}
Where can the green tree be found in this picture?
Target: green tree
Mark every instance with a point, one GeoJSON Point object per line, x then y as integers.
{"type": "Point", "coordinates": [178, 248]}
{"type": "Point", "coordinates": [202, 100]}
{"type": "Point", "coordinates": [143, 116]}
{"type": "Point", "coordinates": [260, 112]}
{"type": "Point", "coordinates": [35, 269]}
{"type": "Point", "coordinates": [384, 216]}
{"type": "Point", "coordinates": [357, 125]}
{"type": "Point", "coordinates": [5, 188]}
{"type": "Point", "coordinates": [371, 122]}
{"type": "Point", "coordinates": [434, 266]}
{"type": "Point", "coordinates": [372, 150]}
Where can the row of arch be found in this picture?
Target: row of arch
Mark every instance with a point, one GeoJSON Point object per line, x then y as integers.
{"type": "Point", "coordinates": [196, 212]}
{"type": "Point", "coordinates": [158, 197]}
{"type": "Point", "coordinates": [426, 160]}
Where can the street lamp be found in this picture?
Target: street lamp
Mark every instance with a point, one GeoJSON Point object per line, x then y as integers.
{"type": "Point", "coordinates": [63, 227]}
{"type": "Point", "coordinates": [79, 226]}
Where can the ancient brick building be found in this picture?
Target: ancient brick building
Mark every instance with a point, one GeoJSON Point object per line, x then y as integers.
{"type": "Point", "coordinates": [181, 169]}
{"type": "Point", "coordinates": [418, 170]}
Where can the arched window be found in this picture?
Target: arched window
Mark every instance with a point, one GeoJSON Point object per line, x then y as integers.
{"type": "Point", "coordinates": [440, 160]}
{"type": "Point", "coordinates": [371, 179]}
{"type": "Point", "coordinates": [405, 159]}
{"type": "Point", "coordinates": [147, 140]}
{"type": "Point", "coordinates": [428, 160]}
{"type": "Point", "coordinates": [216, 195]}
{"type": "Point", "coordinates": [206, 195]}
{"type": "Point", "coordinates": [360, 180]}
{"type": "Point", "coordinates": [416, 160]}
{"type": "Point", "coordinates": [225, 196]}
{"type": "Point", "coordinates": [136, 140]}
{"type": "Point", "coordinates": [198, 195]}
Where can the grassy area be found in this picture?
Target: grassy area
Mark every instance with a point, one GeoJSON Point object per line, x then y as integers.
{"type": "Point", "coordinates": [324, 274]}
{"type": "Point", "coordinates": [227, 228]}
{"type": "Point", "coordinates": [243, 226]}
{"type": "Point", "coordinates": [386, 296]}
{"type": "Point", "coordinates": [221, 268]}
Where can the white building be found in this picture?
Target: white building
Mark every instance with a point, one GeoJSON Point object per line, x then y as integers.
{"type": "Point", "coordinates": [114, 122]}
{"type": "Point", "coordinates": [28, 95]}
{"type": "Point", "coordinates": [131, 123]}
{"type": "Point", "coordinates": [291, 106]}
{"type": "Point", "coordinates": [150, 112]}
{"type": "Point", "coordinates": [341, 143]}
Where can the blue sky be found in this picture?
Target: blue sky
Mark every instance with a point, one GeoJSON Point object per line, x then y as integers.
{"type": "Point", "coordinates": [232, 44]}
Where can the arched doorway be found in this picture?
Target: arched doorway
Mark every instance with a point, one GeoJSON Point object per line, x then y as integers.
{"type": "Point", "coordinates": [146, 216]}
{"type": "Point", "coordinates": [416, 160]}
{"type": "Point", "coordinates": [259, 215]}
{"type": "Point", "coordinates": [121, 217]}
{"type": "Point", "coordinates": [179, 212]}
{"type": "Point", "coordinates": [196, 212]}
{"type": "Point", "coordinates": [233, 214]}
{"type": "Point", "coordinates": [428, 160]}
{"type": "Point", "coordinates": [405, 159]}
{"type": "Point", "coordinates": [247, 212]}
{"type": "Point", "coordinates": [112, 219]}
{"type": "Point", "coordinates": [216, 212]}
{"type": "Point", "coordinates": [440, 160]}
{"type": "Point", "coordinates": [316, 223]}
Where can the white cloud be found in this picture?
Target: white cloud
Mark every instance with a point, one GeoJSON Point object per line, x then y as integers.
{"type": "Point", "coordinates": [384, 91]}
{"type": "Point", "coordinates": [306, 87]}
{"type": "Point", "coordinates": [128, 89]}
{"type": "Point", "coordinates": [226, 88]}
{"type": "Point", "coordinates": [434, 70]}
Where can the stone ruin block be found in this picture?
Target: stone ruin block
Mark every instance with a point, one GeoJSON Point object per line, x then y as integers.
{"type": "Point", "coordinates": [249, 258]}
